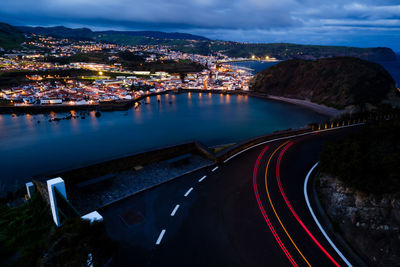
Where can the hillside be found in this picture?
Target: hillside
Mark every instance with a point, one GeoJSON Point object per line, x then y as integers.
{"type": "Point", "coordinates": [85, 33]}
{"type": "Point", "coordinates": [297, 51]}
{"type": "Point", "coordinates": [200, 45]}
{"type": "Point", "coordinates": [335, 82]}
{"type": "Point", "coordinates": [10, 37]}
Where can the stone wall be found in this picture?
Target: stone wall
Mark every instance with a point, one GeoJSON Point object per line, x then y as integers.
{"type": "Point", "coordinates": [370, 224]}
{"type": "Point", "coordinates": [89, 172]}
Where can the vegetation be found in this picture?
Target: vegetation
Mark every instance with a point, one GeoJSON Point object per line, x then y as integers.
{"type": "Point", "coordinates": [16, 78]}
{"type": "Point", "coordinates": [367, 161]}
{"type": "Point", "coordinates": [85, 33]}
{"type": "Point", "coordinates": [200, 45]}
{"type": "Point", "coordinates": [10, 37]}
{"type": "Point", "coordinates": [28, 237]}
{"type": "Point", "coordinates": [335, 82]}
{"type": "Point", "coordinates": [296, 51]}
{"type": "Point", "coordinates": [131, 61]}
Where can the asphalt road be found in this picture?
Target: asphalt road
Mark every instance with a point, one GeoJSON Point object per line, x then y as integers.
{"type": "Point", "coordinates": [250, 211]}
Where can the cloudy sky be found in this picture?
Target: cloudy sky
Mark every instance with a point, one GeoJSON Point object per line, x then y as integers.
{"type": "Point", "coordinates": [364, 23]}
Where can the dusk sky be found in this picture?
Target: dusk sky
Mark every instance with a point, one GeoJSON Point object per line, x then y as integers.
{"type": "Point", "coordinates": [364, 23]}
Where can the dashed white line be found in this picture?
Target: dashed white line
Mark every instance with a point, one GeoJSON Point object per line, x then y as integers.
{"type": "Point", "coordinates": [188, 192]}
{"type": "Point", "coordinates": [202, 178]}
{"type": "Point", "coordinates": [216, 168]}
{"type": "Point", "coordinates": [316, 220]}
{"type": "Point", "coordinates": [160, 237]}
{"type": "Point", "coordinates": [175, 209]}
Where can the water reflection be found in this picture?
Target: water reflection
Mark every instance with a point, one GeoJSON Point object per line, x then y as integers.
{"type": "Point", "coordinates": [228, 99]}
{"type": "Point", "coordinates": [93, 120]}
{"type": "Point", "coordinates": [29, 121]}
{"type": "Point", "coordinates": [210, 118]}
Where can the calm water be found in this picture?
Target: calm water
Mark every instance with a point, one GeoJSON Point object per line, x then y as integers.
{"type": "Point", "coordinates": [257, 66]}
{"type": "Point", "coordinates": [28, 148]}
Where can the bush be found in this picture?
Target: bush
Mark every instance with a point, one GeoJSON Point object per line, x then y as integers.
{"type": "Point", "coordinates": [368, 161]}
{"type": "Point", "coordinates": [28, 237]}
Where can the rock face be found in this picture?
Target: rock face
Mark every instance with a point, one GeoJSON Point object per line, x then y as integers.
{"type": "Point", "coordinates": [336, 82]}
{"type": "Point", "coordinates": [370, 224]}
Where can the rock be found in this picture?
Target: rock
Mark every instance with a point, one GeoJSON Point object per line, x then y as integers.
{"type": "Point", "coordinates": [369, 223]}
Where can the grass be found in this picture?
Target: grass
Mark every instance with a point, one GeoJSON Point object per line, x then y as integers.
{"type": "Point", "coordinates": [22, 230]}
{"type": "Point", "coordinates": [28, 237]}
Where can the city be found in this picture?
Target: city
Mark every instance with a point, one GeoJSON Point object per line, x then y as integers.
{"type": "Point", "coordinates": [91, 90]}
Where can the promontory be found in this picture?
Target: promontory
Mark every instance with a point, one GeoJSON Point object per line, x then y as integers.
{"type": "Point", "coordinates": [335, 82]}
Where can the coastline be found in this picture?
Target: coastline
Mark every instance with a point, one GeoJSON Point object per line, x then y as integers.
{"type": "Point", "coordinates": [125, 105]}
{"type": "Point", "coordinates": [105, 106]}
{"type": "Point", "coordinates": [322, 109]}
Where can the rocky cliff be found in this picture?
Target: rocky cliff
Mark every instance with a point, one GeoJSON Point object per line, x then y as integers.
{"type": "Point", "coordinates": [368, 222]}
{"type": "Point", "coordinates": [335, 82]}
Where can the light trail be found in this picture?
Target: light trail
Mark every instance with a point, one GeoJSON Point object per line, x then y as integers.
{"type": "Point", "coordinates": [260, 206]}
{"type": "Point", "coordinates": [278, 177]}
{"type": "Point", "coordinates": [273, 207]}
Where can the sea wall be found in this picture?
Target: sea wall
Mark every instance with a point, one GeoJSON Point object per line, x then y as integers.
{"type": "Point", "coordinates": [85, 173]}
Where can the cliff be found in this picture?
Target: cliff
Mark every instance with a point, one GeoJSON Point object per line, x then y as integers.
{"type": "Point", "coordinates": [360, 190]}
{"type": "Point", "coordinates": [369, 223]}
{"type": "Point", "coordinates": [335, 82]}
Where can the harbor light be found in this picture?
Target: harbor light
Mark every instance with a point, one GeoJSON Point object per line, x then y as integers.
{"type": "Point", "coordinates": [100, 73]}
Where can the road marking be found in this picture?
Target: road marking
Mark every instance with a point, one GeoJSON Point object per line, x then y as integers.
{"type": "Point", "coordinates": [294, 213]}
{"type": "Point", "coordinates": [287, 137]}
{"type": "Point", "coordinates": [202, 178]}
{"type": "Point", "coordinates": [216, 168]}
{"type": "Point", "coordinates": [264, 214]}
{"type": "Point", "coordinates": [175, 209]}
{"type": "Point", "coordinates": [160, 237]}
{"type": "Point", "coordinates": [316, 220]}
{"type": "Point", "coordinates": [273, 207]}
{"type": "Point", "coordinates": [188, 192]}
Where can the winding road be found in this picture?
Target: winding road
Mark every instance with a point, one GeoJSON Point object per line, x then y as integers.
{"type": "Point", "coordinates": [251, 210]}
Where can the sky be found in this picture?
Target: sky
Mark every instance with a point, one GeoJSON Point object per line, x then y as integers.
{"type": "Point", "coordinates": [363, 23]}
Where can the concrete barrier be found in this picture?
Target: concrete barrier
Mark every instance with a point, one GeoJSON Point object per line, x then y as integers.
{"type": "Point", "coordinates": [52, 185]}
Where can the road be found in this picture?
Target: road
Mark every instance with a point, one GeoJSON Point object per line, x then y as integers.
{"type": "Point", "coordinates": [248, 211]}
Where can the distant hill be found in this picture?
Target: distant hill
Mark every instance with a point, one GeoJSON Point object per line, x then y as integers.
{"type": "Point", "coordinates": [296, 51]}
{"type": "Point", "coordinates": [58, 31]}
{"type": "Point", "coordinates": [85, 33]}
{"type": "Point", "coordinates": [335, 82]}
{"type": "Point", "coordinates": [201, 45]}
{"type": "Point", "coordinates": [158, 35]}
{"type": "Point", "coordinates": [10, 37]}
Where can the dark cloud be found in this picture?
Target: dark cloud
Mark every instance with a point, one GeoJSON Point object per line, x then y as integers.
{"type": "Point", "coordinates": [376, 22]}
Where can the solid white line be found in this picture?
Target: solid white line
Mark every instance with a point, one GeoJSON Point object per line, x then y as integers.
{"type": "Point", "coordinates": [316, 220]}
{"type": "Point", "coordinates": [286, 137]}
{"type": "Point", "coordinates": [160, 237]}
{"type": "Point", "coordinates": [188, 192]}
{"type": "Point", "coordinates": [175, 209]}
{"type": "Point", "coordinates": [216, 168]}
{"type": "Point", "coordinates": [202, 178]}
